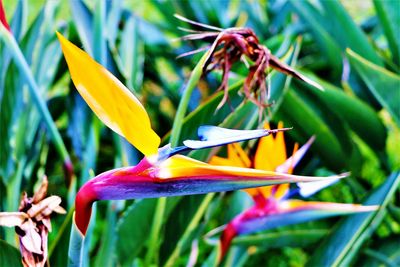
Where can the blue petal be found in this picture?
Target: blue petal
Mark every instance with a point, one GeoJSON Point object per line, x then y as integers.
{"type": "Point", "coordinates": [211, 136]}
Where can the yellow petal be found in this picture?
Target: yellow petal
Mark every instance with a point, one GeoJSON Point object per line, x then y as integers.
{"type": "Point", "coordinates": [179, 166]}
{"type": "Point", "coordinates": [109, 99]}
{"type": "Point", "coordinates": [215, 160]}
{"type": "Point", "coordinates": [237, 155]}
{"type": "Point", "coordinates": [264, 157]}
{"type": "Point", "coordinates": [280, 148]}
{"type": "Point", "coordinates": [281, 190]}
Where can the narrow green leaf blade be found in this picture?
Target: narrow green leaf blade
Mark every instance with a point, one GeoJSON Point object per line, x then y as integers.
{"type": "Point", "coordinates": [347, 33]}
{"type": "Point", "coordinates": [389, 17]}
{"type": "Point", "coordinates": [132, 239]}
{"type": "Point", "coordinates": [384, 85]}
{"type": "Point", "coordinates": [9, 255]}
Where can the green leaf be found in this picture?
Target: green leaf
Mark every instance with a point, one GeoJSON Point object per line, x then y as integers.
{"type": "Point", "coordinates": [133, 229]}
{"type": "Point", "coordinates": [83, 21]}
{"type": "Point", "coordinates": [385, 252]}
{"type": "Point", "coordinates": [108, 238]}
{"type": "Point", "coordinates": [389, 17]}
{"type": "Point", "coordinates": [19, 19]}
{"type": "Point", "coordinates": [9, 255]}
{"type": "Point", "coordinates": [315, 21]}
{"type": "Point", "coordinates": [340, 246]}
{"type": "Point", "coordinates": [75, 248]}
{"type": "Point", "coordinates": [131, 240]}
{"type": "Point", "coordinates": [287, 238]}
{"type": "Point", "coordinates": [346, 32]}
{"type": "Point", "coordinates": [358, 115]}
{"type": "Point", "coordinates": [132, 54]}
{"type": "Point", "coordinates": [297, 113]}
{"type": "Point", "coordinates": [383, 84]}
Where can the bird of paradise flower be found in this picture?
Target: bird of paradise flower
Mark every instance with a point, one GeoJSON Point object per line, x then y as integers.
{"type": "Point", "coordinates": [272, 207]}
{"type": "Point", "coordinates": [161, 172]}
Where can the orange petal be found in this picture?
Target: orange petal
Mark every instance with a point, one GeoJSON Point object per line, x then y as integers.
{"type": "Point", "coordinates": [109, 99]}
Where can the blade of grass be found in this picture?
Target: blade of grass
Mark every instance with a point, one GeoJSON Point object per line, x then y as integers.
{"type": "Point", "coordinates": [12, 44]}
{"type": "Point", "coordinates": [75, 247]}
{"type": "Point", "coordinates": [389, 17]}
{"type": "Point", "coordinates": [383, 84]}
{"type": "Point", "coordinates": [189, 229]}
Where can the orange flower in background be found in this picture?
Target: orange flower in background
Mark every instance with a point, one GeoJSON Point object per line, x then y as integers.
{"type": "Point", "coordinates": [272, 207]}
{"type": "Point", "coordinates": [270, 155]}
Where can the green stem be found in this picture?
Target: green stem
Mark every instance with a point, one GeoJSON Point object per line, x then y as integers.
{"type": "Point", "coordinates": [183, 104]}
{"type": "Point", "coordinates": [75, 247]}
{"type": "Point", "coordinates": [191, 227]}
{"type": "Point", "coordinates": [19, 58]}
{"type": "Point", "coordinates": [154, 240]}
{"type": "Point", "coordinates": [153, 245]}
{"type": "Point", "coordinates": [61, 232]}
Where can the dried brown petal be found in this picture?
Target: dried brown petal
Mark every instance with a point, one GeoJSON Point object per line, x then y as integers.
{"type": "Point", "coordinates": [42, 191]}
{"type": "Point", "coordinates": [47, 223]}
{"type": "Point", "coordinates": [11, 219]}
{"type": "Point", "coordinates": [234, 44]}
{"type": "Point", "coordinates": [48, 203]}
{"type": "Point", "coordinates": [24, 202]}
{"type": "Point", "coordinates": [31, 240]}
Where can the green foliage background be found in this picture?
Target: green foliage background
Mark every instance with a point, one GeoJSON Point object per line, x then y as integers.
{"type": "Point", "coordinates": [351, 48]}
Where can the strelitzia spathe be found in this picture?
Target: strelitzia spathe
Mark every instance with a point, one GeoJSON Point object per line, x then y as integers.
{"type": "Point", "coordinates": [161, 172]}
{"type": "Point", "coordinates": [272, 204]}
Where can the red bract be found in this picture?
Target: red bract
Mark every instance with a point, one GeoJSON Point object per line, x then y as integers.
{"type": "Point", "coordinates": [3, 19]}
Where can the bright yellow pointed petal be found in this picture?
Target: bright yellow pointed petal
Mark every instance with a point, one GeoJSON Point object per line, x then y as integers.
{"type": "Point", "coordinates": [280, 147]}
{"type": "Point", "coordinates": [242, 155]}
{"type": "Point", "coordinates": [238, 156]}
{"type": "Point", "coordinates": [281, 190]}
{"type": "Point", "coordinates": [109, 99]}
{"type": "Point", "coordinates": [271, 152]}
{"type": "Point", "coordinates": [263, 160]}
{"type": "Point", "coordinates": [215, 160]}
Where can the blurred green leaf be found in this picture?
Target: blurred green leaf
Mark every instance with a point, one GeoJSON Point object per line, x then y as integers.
{"type": "Point", "coordinates": [346, 32]}
{"type": "Point", "coordinates": [287, 238]}
{"type": "Point", "coordinates": [384, 253]}
{"type": "Point", "coordinates": [108, 238]}
{"type": "Point", "coordinates": [382, 83]}
{"type": "Point", "coordinates": [343, 243]}
{"type": "Point", "coordinates": [132, 54]}
{"type": "Point", "coordinates": [316, 23]}
{"type": "Point", "coordinates": [389, 17]}
{"type": "Point", "coordinates": [9, 255]}
{"type": "Point", "coordinates": [358, 115]}
{"type": "Point", "coordinates": [19, 20]}
{"type": "Point", "coordinates": [295, 112]}
{"type": "Point", "coordinates": [83, 21]}
{"type": "Point", "coordinates": [132, 239]}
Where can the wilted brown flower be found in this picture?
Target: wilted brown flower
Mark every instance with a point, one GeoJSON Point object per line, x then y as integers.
{"type": "Point", "coordinates": [32, 224]}
{"type": "Point", "coordinates": [234, 44]}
